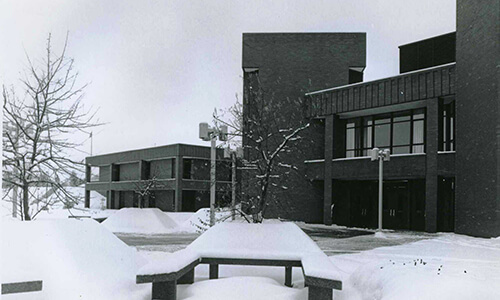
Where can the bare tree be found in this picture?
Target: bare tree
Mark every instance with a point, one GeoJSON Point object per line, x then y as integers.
{"type": "Point", "coordinates": [268, 136]}
{"type": "Point", "coordinates": [145, 189]}
{"type": "Point", "coordinates": [39, 131]}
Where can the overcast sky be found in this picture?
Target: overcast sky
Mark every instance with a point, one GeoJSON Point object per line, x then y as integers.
{"type": "Point", "coordinates": [158, 68]}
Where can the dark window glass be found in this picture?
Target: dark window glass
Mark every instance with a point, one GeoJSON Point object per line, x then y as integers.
{"type": "Point", "coordinates": [401, 134]}
{"type": "Point", "coordinates": [382, 135]}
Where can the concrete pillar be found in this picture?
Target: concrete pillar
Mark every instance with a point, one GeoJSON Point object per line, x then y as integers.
{"type": "Point", "coordinates": [431, 176]}
{"type": "Point", "coordinates": [327, 187]}
{"type": "Point", "coordinates": [88, 173]}
{"type": "Point", "coordinates": [178, 183]}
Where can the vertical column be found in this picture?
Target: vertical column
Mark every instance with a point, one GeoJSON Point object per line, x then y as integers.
{"type": "Point", "coordinates": [431, 177]}
{"type": "Point", "coordinates": [87, 179]}
{"type": "Point", "coordinates": [178, 183]}
{"type": "Point", "coordinates": [327, 204]}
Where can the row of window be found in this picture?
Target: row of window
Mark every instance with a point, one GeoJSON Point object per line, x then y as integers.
{"type": "Point", "coordinates": [401, 132]}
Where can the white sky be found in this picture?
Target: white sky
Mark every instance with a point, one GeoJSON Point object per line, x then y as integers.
{"type": "Point", "coordinates": [158, 68]}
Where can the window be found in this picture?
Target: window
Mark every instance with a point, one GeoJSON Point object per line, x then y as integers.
{"type": "Point", "coordinates": [447, 126]}
{"type": "Point", "coordinates": [401, 132]}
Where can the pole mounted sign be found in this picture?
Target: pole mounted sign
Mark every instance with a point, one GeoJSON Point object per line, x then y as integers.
{"type": "Point", "coordinates": [208, 133]}
{"type": "Point", "coordinates": [381, 156]}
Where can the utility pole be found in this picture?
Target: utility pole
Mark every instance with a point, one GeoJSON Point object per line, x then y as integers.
{"type": "Point", "coordinates": [381, 156]}
{"type": "Point", "coordinates": [213, 178]}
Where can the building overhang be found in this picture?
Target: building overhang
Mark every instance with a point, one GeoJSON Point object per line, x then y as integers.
{"type": "Point", "coordinates": [405, 88]}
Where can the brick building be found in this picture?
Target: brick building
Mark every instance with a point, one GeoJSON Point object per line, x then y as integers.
{"type": "Point", "coordinates": [181, 174]}
{"type": "Point", "coordinates": [439, 117]}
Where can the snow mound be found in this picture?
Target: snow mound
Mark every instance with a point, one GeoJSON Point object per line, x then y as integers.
{"type": "Point", "coordinates": [140, 220]}
{"type": "Point", "coordinates": [200, 220]}
{"type": "Point", "coordinates": [261, 241]}
{"type": "Point", "coordinates": [241, 288]}
{"type": "Point", "coordinates": [75, 259]}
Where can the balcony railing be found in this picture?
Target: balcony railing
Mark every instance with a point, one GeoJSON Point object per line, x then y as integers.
{"type": "Point", "coordinates": [412, 86]}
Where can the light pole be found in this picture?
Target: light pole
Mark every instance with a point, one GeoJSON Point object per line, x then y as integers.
{"type": "Point", "coordinates": [381, 156]}
{"type": "Point", "coordinates": [208, 133]}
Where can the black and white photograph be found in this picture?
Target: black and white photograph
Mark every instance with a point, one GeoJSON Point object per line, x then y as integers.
{"type": "Point", "coordinates": [250, 150]}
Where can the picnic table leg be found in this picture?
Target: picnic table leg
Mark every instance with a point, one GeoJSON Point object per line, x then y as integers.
{"type": "Point", "coordinates": [319, 293]}
{"type": "Point", "coordinates": [187, 278]}
{"type": "Point", "coordinates": [166, 290]}
{"type": "Point", "coordinates": [214, 271]}
{"type": "Point", "coordinates": [288, 276]}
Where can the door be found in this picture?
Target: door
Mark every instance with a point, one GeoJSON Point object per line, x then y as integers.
{"type": "Point", "coordinates": [396, 205]}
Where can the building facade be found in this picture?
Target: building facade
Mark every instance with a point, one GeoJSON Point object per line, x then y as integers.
{"type": "Point", "coordinates": [439, 118]}
{"type": "Point", "coordinates": [178, 175]}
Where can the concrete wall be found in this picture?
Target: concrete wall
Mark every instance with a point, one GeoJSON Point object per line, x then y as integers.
{"type": "Point", "coordinates": [478, 118]}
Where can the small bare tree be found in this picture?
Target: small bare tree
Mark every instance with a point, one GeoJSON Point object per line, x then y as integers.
{"type": "Point", "coordinates": [39, 128]}
{"type": "Point", "coordinates": [267, 135]}
{"type": "Point", "coordinates": [145, 189]}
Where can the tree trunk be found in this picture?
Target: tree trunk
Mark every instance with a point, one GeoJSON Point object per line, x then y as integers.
{"type": "Point", "coordinates": [26, 206]}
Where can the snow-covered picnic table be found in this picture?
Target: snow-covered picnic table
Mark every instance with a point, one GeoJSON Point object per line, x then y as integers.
{"type": "Point", "coordinates": [271, 244]}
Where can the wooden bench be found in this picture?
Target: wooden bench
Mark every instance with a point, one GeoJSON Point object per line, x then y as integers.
{"type": "Point", "coordinates": [165, 284]}
{"type": "Point", "coordinates": [22, 287]}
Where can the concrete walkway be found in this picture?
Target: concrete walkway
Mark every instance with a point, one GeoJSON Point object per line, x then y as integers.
{"type": "Point", "coordinates": [332, 240]}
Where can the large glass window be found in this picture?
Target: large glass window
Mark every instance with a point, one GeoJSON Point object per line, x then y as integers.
{"type": "Point", "coordinates": [401, 132]}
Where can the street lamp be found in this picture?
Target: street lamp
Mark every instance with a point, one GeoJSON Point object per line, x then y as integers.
{"type": "Point", "coordinates": [208, 133]}
{"type": "Point", "coordinates": [381, 156]}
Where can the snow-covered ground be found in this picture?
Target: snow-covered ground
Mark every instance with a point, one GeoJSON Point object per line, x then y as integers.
{"type": "Point", "coordinates": [82, 259]}
{"type": "Point", "coordinates": [449, 266]}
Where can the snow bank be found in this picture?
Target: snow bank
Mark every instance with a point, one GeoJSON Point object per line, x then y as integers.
{"type": "Point", "coordinates": [241, 288]}
{"type": "Point", "coordinates": [260, 241]}
{"type": "Point", "coordinates": [76, 259]}
{"type": "Point", "coordinates": [140, 220]}
{"type": "Point", "coordinates": [447, 267]}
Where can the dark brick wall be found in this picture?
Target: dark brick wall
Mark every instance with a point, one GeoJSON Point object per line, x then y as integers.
{"type": "Point", "coordinates": [289, 65]}
{"type": "Point", "coordinates": [477, 210]}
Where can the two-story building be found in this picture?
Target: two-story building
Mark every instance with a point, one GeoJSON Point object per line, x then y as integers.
{"type": "Point", "coordinates": [178, 176]}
